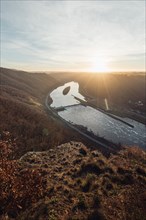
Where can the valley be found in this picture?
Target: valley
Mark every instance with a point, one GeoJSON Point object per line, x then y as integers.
{"type": "Point", "coordinates": [51, 167]}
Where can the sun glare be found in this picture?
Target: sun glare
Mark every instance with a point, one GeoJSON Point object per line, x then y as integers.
{"type": "Point", "coordinates": [100, 66]}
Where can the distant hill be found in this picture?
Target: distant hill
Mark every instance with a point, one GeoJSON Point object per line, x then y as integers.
{"type": "Point", "coordinates": [124, 90]}
{"type": "Point", "coordinates": [35, 84]}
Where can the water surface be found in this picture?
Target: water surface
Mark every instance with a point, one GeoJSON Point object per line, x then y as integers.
{"type": "Point", "coordinates": [60, 100]}
{"type": "Point", "coordinates": [100, 124]}
{"type": "Point", "coordinates": [105, 126]}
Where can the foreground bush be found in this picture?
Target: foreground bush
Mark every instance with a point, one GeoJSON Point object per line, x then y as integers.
{"type": "Point", "coordinates": [18, 187]}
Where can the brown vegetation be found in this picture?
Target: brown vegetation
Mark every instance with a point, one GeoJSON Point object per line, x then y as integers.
{"type": "Point", "coordinates": [67, 183]}
{"type": "Point", "coordinates": [22, 111]}
{"type": "Point", "coordinates": [19, 187]}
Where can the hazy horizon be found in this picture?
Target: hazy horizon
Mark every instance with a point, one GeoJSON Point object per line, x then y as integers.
{"type": "Point", "coordinates": [75, 36]}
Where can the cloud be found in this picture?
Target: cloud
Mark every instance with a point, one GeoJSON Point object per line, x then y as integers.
{"type": "Point", "coordinates": [68, 34]}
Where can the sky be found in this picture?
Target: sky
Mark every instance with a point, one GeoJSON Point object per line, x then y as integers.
{"type": "Point", "coordinates": [73, 35]}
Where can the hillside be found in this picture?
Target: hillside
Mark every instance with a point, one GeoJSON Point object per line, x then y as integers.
{"type": "Point", "coordinates": [72, 182]}
{"type": "Point", "coordinates": [22, 111]}
{"type": "Point", "coordinates": [124, 92]}
{"type": "Point", "coordinates": [48, 171]}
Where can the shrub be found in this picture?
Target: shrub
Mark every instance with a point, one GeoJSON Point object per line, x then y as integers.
{"type": "Point", "coordinates": [108, 170]}
{"type": "Point", "coordinates": [81, 202]}
{"type": "Point", "coordinates": [127, 180]}
{"type": "Point", "coordinates": [90, 167]}
{"type": "Point", "coordinates": [122, 171]}
{"type": "Point", "coordinates": [96, 201]}
{"type": "Point", "coordinates": [141, 171]}
{"type": "Point", "coordinates": [18, 187]}
{"type": "Point", "coordinates": [96, 215]}
{"type": "Point", "coordinates": [107, 184]}
{"type": "Point", "coordinates": [87, 183]}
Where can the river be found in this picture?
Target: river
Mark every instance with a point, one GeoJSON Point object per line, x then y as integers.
{"type": "Point", "coordinates": [102, 125]}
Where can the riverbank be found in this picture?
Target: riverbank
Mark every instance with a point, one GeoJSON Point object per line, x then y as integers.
{"type": "Point", "coordinates": [114, 109]}
{"type": "Point", "coordinates": [107, 112]}
{"type": "Point", "coordinates": [103, 127]}
{"type": "Point", "coordinates": [104, 145]}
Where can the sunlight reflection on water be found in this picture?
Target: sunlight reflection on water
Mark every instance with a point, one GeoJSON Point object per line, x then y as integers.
{"type": "Point", "coordinates": [96, 121]}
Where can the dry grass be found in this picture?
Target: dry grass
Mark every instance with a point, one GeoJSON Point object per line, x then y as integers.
{"type": "Point", "coordinates": [77, 191]}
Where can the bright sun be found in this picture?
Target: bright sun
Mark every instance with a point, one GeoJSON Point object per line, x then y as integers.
{"type": "Point", "coordinates": [100, 66]}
